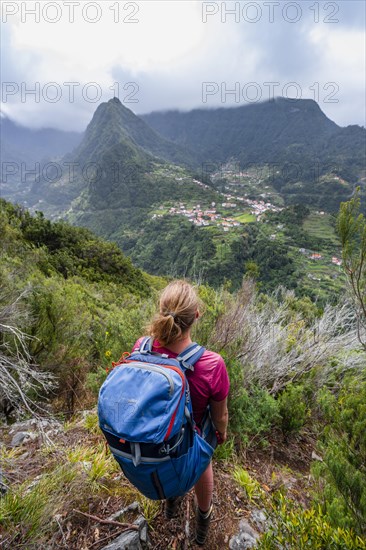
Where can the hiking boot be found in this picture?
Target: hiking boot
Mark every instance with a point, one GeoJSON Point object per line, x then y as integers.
{"type": "Point", "coordinates": [202, 524]}
{"type": "Point", "coordinates": [171, 507]}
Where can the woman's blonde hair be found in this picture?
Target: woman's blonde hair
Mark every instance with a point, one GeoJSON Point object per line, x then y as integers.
{"type": "Point", "coordinates": [178, 307]}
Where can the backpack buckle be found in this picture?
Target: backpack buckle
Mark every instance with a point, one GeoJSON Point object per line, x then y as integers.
{"type": "Point", "coordinates": [164, 450]}
{"type": "Point", "coordinates": [136, 453]}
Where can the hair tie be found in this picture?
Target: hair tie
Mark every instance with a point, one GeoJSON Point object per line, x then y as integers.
{"type": "Point", "coordinates": [171, 314]}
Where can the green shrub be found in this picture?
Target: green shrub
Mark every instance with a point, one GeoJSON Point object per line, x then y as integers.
{"type": "Point", "coordinates": [226, 451]}
{"type": "Point", "coordinates": [251, 486]}
{"type": "Point", "coordinates": [295, 528]}
{"type": "Point", "coordinates": [342, 475]}
{"type": "Point", "coordinates": [292, 409]}
{"type": "Point", "coordinates": [252, 412]}
{"type": "Point", "coordinates": [63, 314]}
{"type": "Point", "coordinates": [95, 379]}
{"type": "Point", "coordinates": [213, 302]}
{"type": "Point", "coordinates": [150, 508]}
{"type": "Point", "coordinates": [91, 423]}
{"type": "Point", "coordinates": [79, 329]}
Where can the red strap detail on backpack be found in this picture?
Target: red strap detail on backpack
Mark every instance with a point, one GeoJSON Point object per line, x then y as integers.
{"type": "Point", "coordinates": [171, 423]}
{"type": "Point", "coordinates": [121, 360]}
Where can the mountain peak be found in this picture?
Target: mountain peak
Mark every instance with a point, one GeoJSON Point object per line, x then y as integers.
{"type": "Point", "coordinates": [114, 109]}
{"type": "Point", "coordinates": [116, 103]}
{"type": "Point", "coordinates": [114, 123]}
{"type": "Point", "coordinates": [115, 100]}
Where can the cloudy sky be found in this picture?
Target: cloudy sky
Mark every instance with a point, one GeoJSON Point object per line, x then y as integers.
{"type": "Point", "coordinates": [159, 55]}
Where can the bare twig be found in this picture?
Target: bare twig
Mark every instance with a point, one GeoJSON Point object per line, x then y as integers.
{"type": "Point", "coordinates": [126, 526]}
{"type": "Point", "coordinates": [19, 377]}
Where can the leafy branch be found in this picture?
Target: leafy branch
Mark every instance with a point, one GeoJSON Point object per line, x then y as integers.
{"type": "Point", "coordinates": [351, 226]}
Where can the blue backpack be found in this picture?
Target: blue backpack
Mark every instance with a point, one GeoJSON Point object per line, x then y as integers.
{"type": "Point", "coordinates": [145, 413]}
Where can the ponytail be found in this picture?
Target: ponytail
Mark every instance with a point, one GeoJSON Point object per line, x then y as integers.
{"type": "Point", "coordinates": [178, 309]}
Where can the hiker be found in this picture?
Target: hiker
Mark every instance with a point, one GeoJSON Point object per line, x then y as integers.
{"type": "Point", "coordinates": [179, 308]}
{"type": "Point", "coordinates": [163, 408]}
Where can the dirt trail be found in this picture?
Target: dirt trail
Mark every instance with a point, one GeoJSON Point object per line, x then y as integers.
{"type": "Point", "coordinates": [278, 465]}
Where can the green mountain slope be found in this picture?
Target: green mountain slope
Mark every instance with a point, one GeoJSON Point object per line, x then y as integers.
{"type": "Point", "coordinates": [260, 129]}
{"type": "Point", "coordinates": [59, 249]}
{"type": "Point", "coordinates": [105, 156]}
{"type": "Point", "coordinates": [294, 136]}
{"type": "Point", "coordinates": [112, 122]}
{"type": "Point", "coordinates": [115, 186]}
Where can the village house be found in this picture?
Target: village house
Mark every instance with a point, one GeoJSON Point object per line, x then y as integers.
{"type": "Point", "coordinates": [336, 261]}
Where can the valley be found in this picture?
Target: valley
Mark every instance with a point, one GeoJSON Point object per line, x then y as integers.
{"type": "Point", "coordinates": [186, 203]}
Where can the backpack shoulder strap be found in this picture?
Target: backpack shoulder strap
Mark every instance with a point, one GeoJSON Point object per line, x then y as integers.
{"type": "Point", "coordinates": [188, 357]}
{"type": "Point", "coordinates": [146, 345]}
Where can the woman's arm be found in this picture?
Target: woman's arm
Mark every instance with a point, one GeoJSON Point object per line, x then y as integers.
{"type": "Point", "coordinates": [220, 416]}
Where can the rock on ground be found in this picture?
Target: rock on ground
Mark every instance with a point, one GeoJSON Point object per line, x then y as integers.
{"type": "Point", "coordinates": [259, 519]}
{"type": "Point", "coordinates": [131, 540]}
{"type": "Point", "coordinates": [246, 538]}
{"type": "Point", "coordinates": [31, 429]}
{"type": "Point", "coordinates": [22, 437]}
